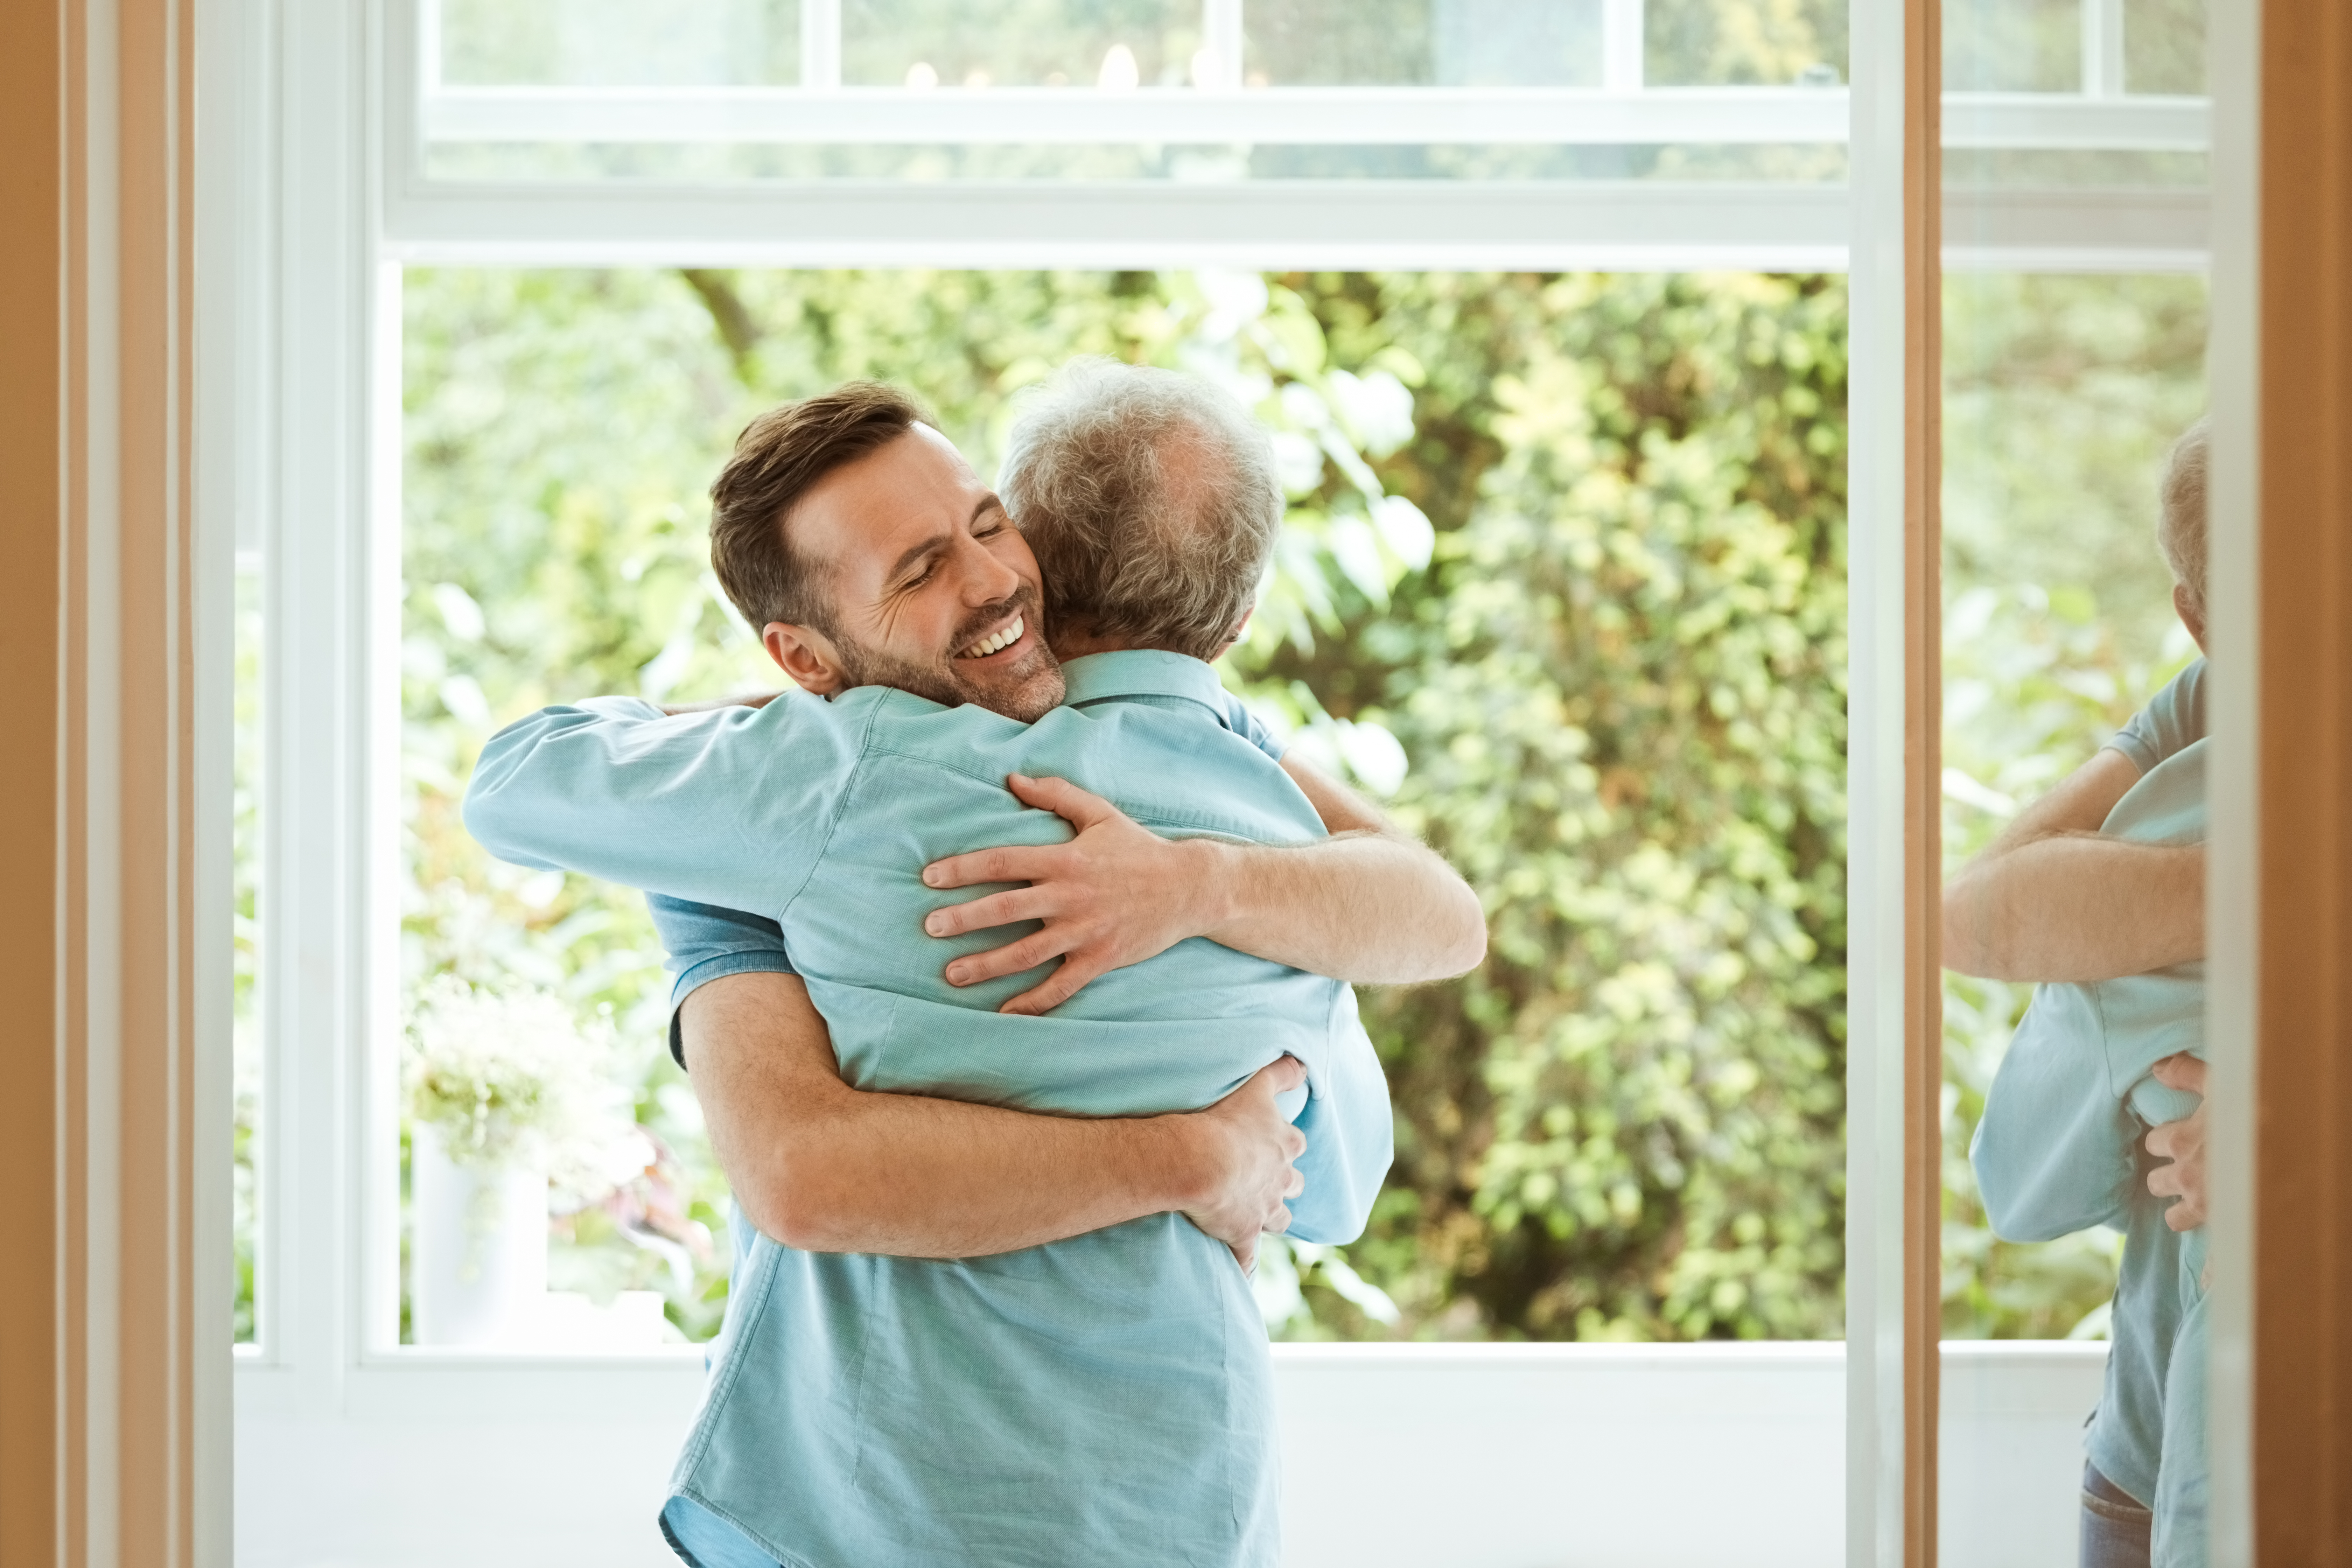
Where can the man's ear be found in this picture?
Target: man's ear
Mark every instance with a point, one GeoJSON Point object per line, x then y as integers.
{"type": "Point", "coordinates": [807, 656]}
{"type": "Point", "coordinates": [1235, 635]}
{"type": "Point", "coordinates": [2192, 614]}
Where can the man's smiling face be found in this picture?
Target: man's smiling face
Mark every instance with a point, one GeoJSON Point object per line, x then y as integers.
{"type": "Point", "coordinates": [933, 590]}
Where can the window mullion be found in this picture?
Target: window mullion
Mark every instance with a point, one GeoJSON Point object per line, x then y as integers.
{"type": "Point", "coordinates": [820, 44]}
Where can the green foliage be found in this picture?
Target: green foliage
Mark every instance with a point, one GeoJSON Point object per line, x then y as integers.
{"type": "Point", "coordinates": [1621, 685]}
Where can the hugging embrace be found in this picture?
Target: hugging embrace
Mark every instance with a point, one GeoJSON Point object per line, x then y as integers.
{"type": "Point", "coordinates": [1012, 961]}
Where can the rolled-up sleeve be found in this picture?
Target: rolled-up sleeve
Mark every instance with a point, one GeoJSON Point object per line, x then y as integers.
{"type": "Point", "coordinates": [705, 944]}
{"type": "Point", "coordinates": [1351, 1134]}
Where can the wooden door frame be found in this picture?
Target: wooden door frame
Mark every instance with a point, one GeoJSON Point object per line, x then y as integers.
{"type": "Point", "coordinates": [114, 1381]}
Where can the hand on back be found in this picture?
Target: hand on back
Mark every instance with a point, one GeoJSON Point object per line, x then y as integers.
{"type": "Point", "coordinates": [1249, 1147]}
{"type": "Point", "coordinates": [1115, 895]}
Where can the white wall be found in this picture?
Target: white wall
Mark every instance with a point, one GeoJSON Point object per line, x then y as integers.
{"type": "Point", "coordinates": [1432, 1457]}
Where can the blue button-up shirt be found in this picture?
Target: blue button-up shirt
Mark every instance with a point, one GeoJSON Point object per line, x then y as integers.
{"type": "Point", "coordinates": [1104, 1398]}
{"type": "Point", "coordinates": [2061, 1145]}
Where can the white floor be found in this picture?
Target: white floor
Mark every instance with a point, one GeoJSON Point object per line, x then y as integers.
{"type": "Point", "coordinates": [1441, 1457]}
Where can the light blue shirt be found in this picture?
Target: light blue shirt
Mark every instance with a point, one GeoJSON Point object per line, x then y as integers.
{"type": "Point", "coordinates": [1104, 1398]}
{"type": "Point", "coordinates": [2060, 1147]}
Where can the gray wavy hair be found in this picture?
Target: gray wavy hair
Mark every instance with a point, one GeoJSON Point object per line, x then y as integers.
{"type": "Point", "coordinates": [1151, 499]}
{"type": "Point", "coordinates": [2180, 522]}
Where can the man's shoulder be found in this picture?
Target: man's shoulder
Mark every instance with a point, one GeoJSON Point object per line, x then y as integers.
{"type": "Point", "coordinates": [1175, 767]}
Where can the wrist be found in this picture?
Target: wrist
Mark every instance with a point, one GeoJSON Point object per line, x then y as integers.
{"type": "Point", "coordinates": [1208, 876]}
{"type": "Point", "coordinates": [1183, 1167]}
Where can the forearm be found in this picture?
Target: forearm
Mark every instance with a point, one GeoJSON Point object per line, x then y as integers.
{"type": "Point", "coordinates": [823, 1167]}
{"type": "Point", "coordinates": [914, 1177]}
{"type": "Point", "coordinates": [1373, 907]}
{"type": "Point", "coordinates": [2076, 907]}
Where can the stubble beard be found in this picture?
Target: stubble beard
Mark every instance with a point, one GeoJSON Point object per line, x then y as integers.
{"type": "Point", "coordinates": [1023, 693]}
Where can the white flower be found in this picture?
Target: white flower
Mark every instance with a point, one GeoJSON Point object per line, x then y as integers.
{"type": "Point", "coordinates": [513, 1081]}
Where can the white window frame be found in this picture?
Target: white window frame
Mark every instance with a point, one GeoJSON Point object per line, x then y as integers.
{"type": "Point", "coordinates": [332, 202]}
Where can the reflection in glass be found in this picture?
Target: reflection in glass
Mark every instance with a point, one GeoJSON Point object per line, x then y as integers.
{"type": "Point", "coordinates": [2073, 725]}
{"type": "Point", "coordinates": [1111, 44]}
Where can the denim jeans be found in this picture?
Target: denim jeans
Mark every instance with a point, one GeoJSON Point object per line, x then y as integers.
{"type": "Point", "coordinates": [2116, 1527]}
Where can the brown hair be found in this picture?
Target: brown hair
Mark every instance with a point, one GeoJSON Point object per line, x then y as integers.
{"type": "Point", "coordinates": [778, 458]}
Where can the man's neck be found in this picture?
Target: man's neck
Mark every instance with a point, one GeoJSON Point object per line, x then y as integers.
{"type": "Point", "coordinates": [1078, 642]}
{"type": "Point", "coordinates": [1071, 644]}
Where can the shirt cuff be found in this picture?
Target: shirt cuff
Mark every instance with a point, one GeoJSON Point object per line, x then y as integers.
{"type": "Point", "coordinates": [751, 961]}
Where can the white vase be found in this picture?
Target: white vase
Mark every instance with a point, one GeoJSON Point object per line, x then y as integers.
{"type": "Point", "coordinates": [479, 1254]}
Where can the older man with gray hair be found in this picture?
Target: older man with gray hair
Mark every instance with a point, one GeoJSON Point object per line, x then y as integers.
{"type": "Point", "coordinates": [995, 1310]}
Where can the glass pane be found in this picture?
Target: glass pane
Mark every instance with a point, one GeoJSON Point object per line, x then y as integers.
{"type": "Point", "coordinates": [934, 46]}
{"type": "Point", "coordinates": [552, 544]}
{"type": "Point", "coordinates": [1745, 42]}
{"type": "Point", "coordinates": [1115, 44]}
{"type": "Point", "coordinates": [1563, 584]}
{"type": "Point", "coordinates": [2012, 45]}
{"type": "Point", "coordinates": [2163, 46]}
{"type": "Point", "coordinates": [1447, 42]}
{"type": "Point", "coordinates": [623, 43]}
{"type": "Point", "coordinates": [245, 873]}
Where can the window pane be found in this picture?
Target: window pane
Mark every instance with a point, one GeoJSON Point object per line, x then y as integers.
{"type": "Point", "coordinates": [1115, 44]}
{"type": "Point", "coordinates": [2012, 45]}
{"type": "Point", "coordinates": [915, 110]}
{"type": "Point", "coordinates": [2163, 46]}
{"type": "Point", "coordinates": [1745, 42]}
{"type": "Point", "coordinates": [245, 873]}
{"type": "Point", "coordinates": [1445, 43]}
{"type": "Point", "coordinates": [1607, 681]}
{"type": "Point", "coordinates": [631, 43]}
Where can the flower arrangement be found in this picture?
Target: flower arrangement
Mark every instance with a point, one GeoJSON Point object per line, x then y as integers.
{"type": "Point", "coordinates": [511, 1080]}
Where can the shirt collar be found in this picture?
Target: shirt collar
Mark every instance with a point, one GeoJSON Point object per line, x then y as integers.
{"type": "Point", "coordinates": [1142, 672]}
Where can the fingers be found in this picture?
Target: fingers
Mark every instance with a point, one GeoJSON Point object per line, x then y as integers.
{"type": "Point", "coordinates": [1015, 959]}
{"type": "Point", "coordinates": [1063, 798]}
{"type": "Point", "coordinates": [1279, 1223]}
{"type": "Point", "coordinates": [985, 914]}
{"type": "Point", "coordinates": [2184, 1216]}
{"type": "Point", "coordinates": [2164, 1182]}
{"type": "Point", "coordinates": [1008, 863]}
{"type": "Point", "coordinates": [1076, 971]}
{"type": "Point", "coordinates": [1296, 1186]}
{"type": "Point", "coordinates": [2159, 1142]}
{"type": "Point", "coordinates": [2183, 1072]}
{"type": "Point", "coordinates": [1283, 1075]}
